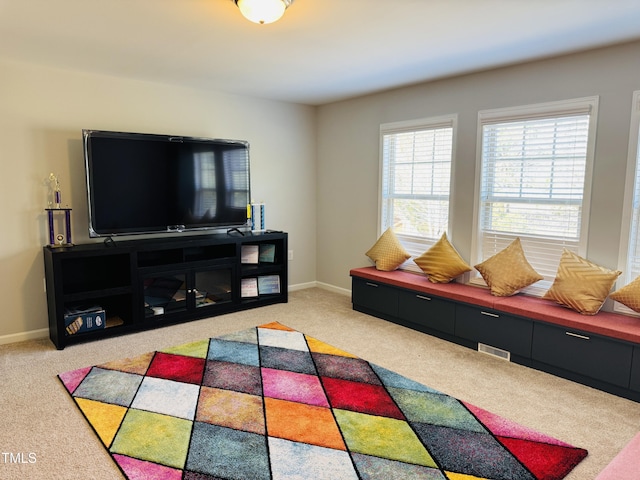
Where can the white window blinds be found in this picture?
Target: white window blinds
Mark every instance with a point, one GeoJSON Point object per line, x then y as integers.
{"type": "Point", "coordinates": [416, 162]}
{"type": "Point", "coordinates": [633, 262]}
{"type": "Point", "coordinates": [630, 238]}
{"type": "Point", "coordinates": [535, 170]}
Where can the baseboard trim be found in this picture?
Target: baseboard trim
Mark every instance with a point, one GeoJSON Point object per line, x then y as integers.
{"type": "Point", "coordinates": [24, 336]}
{"type": "Point", "coordinates": [322, 285]}
{"type": "Point", "coordinates": [302, 286]}
{"type": "Point", "coordinates": [333, 288]}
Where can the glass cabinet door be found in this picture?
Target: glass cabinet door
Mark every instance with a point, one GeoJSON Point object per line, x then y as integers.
{"type": "Point", "coordinates": [212, 287]}
{"type": "Point", "coordinates": [164, 294]}
{"type": "Point", "coordinates": [170, 292]}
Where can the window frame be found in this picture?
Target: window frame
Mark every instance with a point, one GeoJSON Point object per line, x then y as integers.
{"type": "Point", "coordinates": [633, 170]}
{"type": "Point", "coordinates": [413, 244]}
{"type": "Point", "coordinates": [584, 105]}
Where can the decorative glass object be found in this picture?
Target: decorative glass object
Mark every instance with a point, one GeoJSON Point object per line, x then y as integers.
{"type": "Point", "coordinates": [55, 187]}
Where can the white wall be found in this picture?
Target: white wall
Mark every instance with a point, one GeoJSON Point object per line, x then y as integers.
{"type": "Point", "coordinates": [42, 112]}
{"type": "Point", "coordinates": [348, 148]}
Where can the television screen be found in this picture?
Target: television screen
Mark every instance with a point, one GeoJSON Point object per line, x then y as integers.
{"type": "Point", "coordinates": [144, 183]}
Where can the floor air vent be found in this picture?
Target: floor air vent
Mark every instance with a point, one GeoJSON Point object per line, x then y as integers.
{"type": "Point", "coordinates": [495, 352]}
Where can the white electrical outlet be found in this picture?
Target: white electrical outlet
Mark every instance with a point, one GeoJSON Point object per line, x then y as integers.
{"type": "Point", "coordinates": [290, 257]}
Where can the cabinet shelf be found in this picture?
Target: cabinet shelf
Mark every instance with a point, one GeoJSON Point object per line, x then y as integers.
{"type": "Point", "coordinates": [253, 270]}
{"type": "Point", "coordinates": [149, 283]}
{"type": "Point", "coordinates": [96, 294]}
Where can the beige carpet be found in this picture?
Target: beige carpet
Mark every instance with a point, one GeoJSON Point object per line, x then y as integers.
{"type": "Point", "coordinates": [43, 431]}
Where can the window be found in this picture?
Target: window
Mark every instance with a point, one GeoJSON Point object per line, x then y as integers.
{"type": "Point", "coordinates": [535, 167]}
{"type": "Point", "coordinates": [236, 179]}
{"type": "Point", "coordinates": [416, 158]}
{"type": "Point", "coordinates": [206, 181]}
{"type": "Point", "coordinates": [204, 167]}
{"type": "Point", "coordinates": [629, 261]}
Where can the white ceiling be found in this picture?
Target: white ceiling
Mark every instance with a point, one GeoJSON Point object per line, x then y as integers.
{"type": "Point", "coordinates": [320, 51]}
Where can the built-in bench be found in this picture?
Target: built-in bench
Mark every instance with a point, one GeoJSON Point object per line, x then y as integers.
{"type": "Point", "coordinates": [601, 350]}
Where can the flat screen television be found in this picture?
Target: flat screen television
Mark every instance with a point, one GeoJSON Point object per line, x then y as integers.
{"type": "Point", "coordinates": [145, 183]}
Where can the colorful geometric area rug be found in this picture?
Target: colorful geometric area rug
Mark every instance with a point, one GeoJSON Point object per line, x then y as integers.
{"type": "Point", "coordinates": [273, 403]}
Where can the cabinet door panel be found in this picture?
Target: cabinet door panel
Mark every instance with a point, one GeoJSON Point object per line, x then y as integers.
{"type": "Point", "coordinates": [583, 353]}
{"type": "Point", "coordinates": [635, 370]}
{"type": "Point", "coordinates": [212, 287]}
{"type": "Point", "coordinates": [164, 293]}
{"type": "Point", "coordinates": [375, 296]}
{"type": "Point", "coordinates": [496, 329]}
{"type": "Point", "coordinates": [428, 311]}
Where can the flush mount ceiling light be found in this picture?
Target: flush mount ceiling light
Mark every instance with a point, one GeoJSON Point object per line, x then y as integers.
{"type": "Point", "coordinates": [263, 11]}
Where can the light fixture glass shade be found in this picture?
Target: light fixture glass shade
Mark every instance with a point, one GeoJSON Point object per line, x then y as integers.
{"type": "Point", "coordinates": [262, 11]}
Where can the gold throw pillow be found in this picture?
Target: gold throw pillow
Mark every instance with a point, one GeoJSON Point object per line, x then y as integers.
{"type": "Point", "coordinates": [629, 295]}
{"type": "Point", "coordinates": [442, 262]}
{"type": "Point", "coordinates": [388, 253]}
{"type": "Point", "coordinates": [508, 271]}
{"type": "Point", "coordinates": [580, 284]}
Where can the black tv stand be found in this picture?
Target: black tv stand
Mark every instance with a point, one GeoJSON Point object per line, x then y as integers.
{"type": "Point", "coordinates": [150, 283]}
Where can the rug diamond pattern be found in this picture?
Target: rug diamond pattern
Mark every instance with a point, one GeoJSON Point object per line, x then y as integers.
{"type": "Point", "coordinates": [273, 403]}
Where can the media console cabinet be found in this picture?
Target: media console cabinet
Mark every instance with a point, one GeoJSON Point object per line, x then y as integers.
{"type": "Point", "coordinates": [601, 351]}
{"type": "Point", "coordinates": [145, 284]}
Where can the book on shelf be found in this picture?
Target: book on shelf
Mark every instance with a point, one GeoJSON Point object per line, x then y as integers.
{"type": "Point", "coordinates": [268, 284]}
{"type": "Point", "coordinates": [249, 287]}
{"type": "Point", "coordinates": [250, 254]}
{"type": "Point", "coordinates": [83, 318]}
{"type": "Point", "coordinates": [267, 253]}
